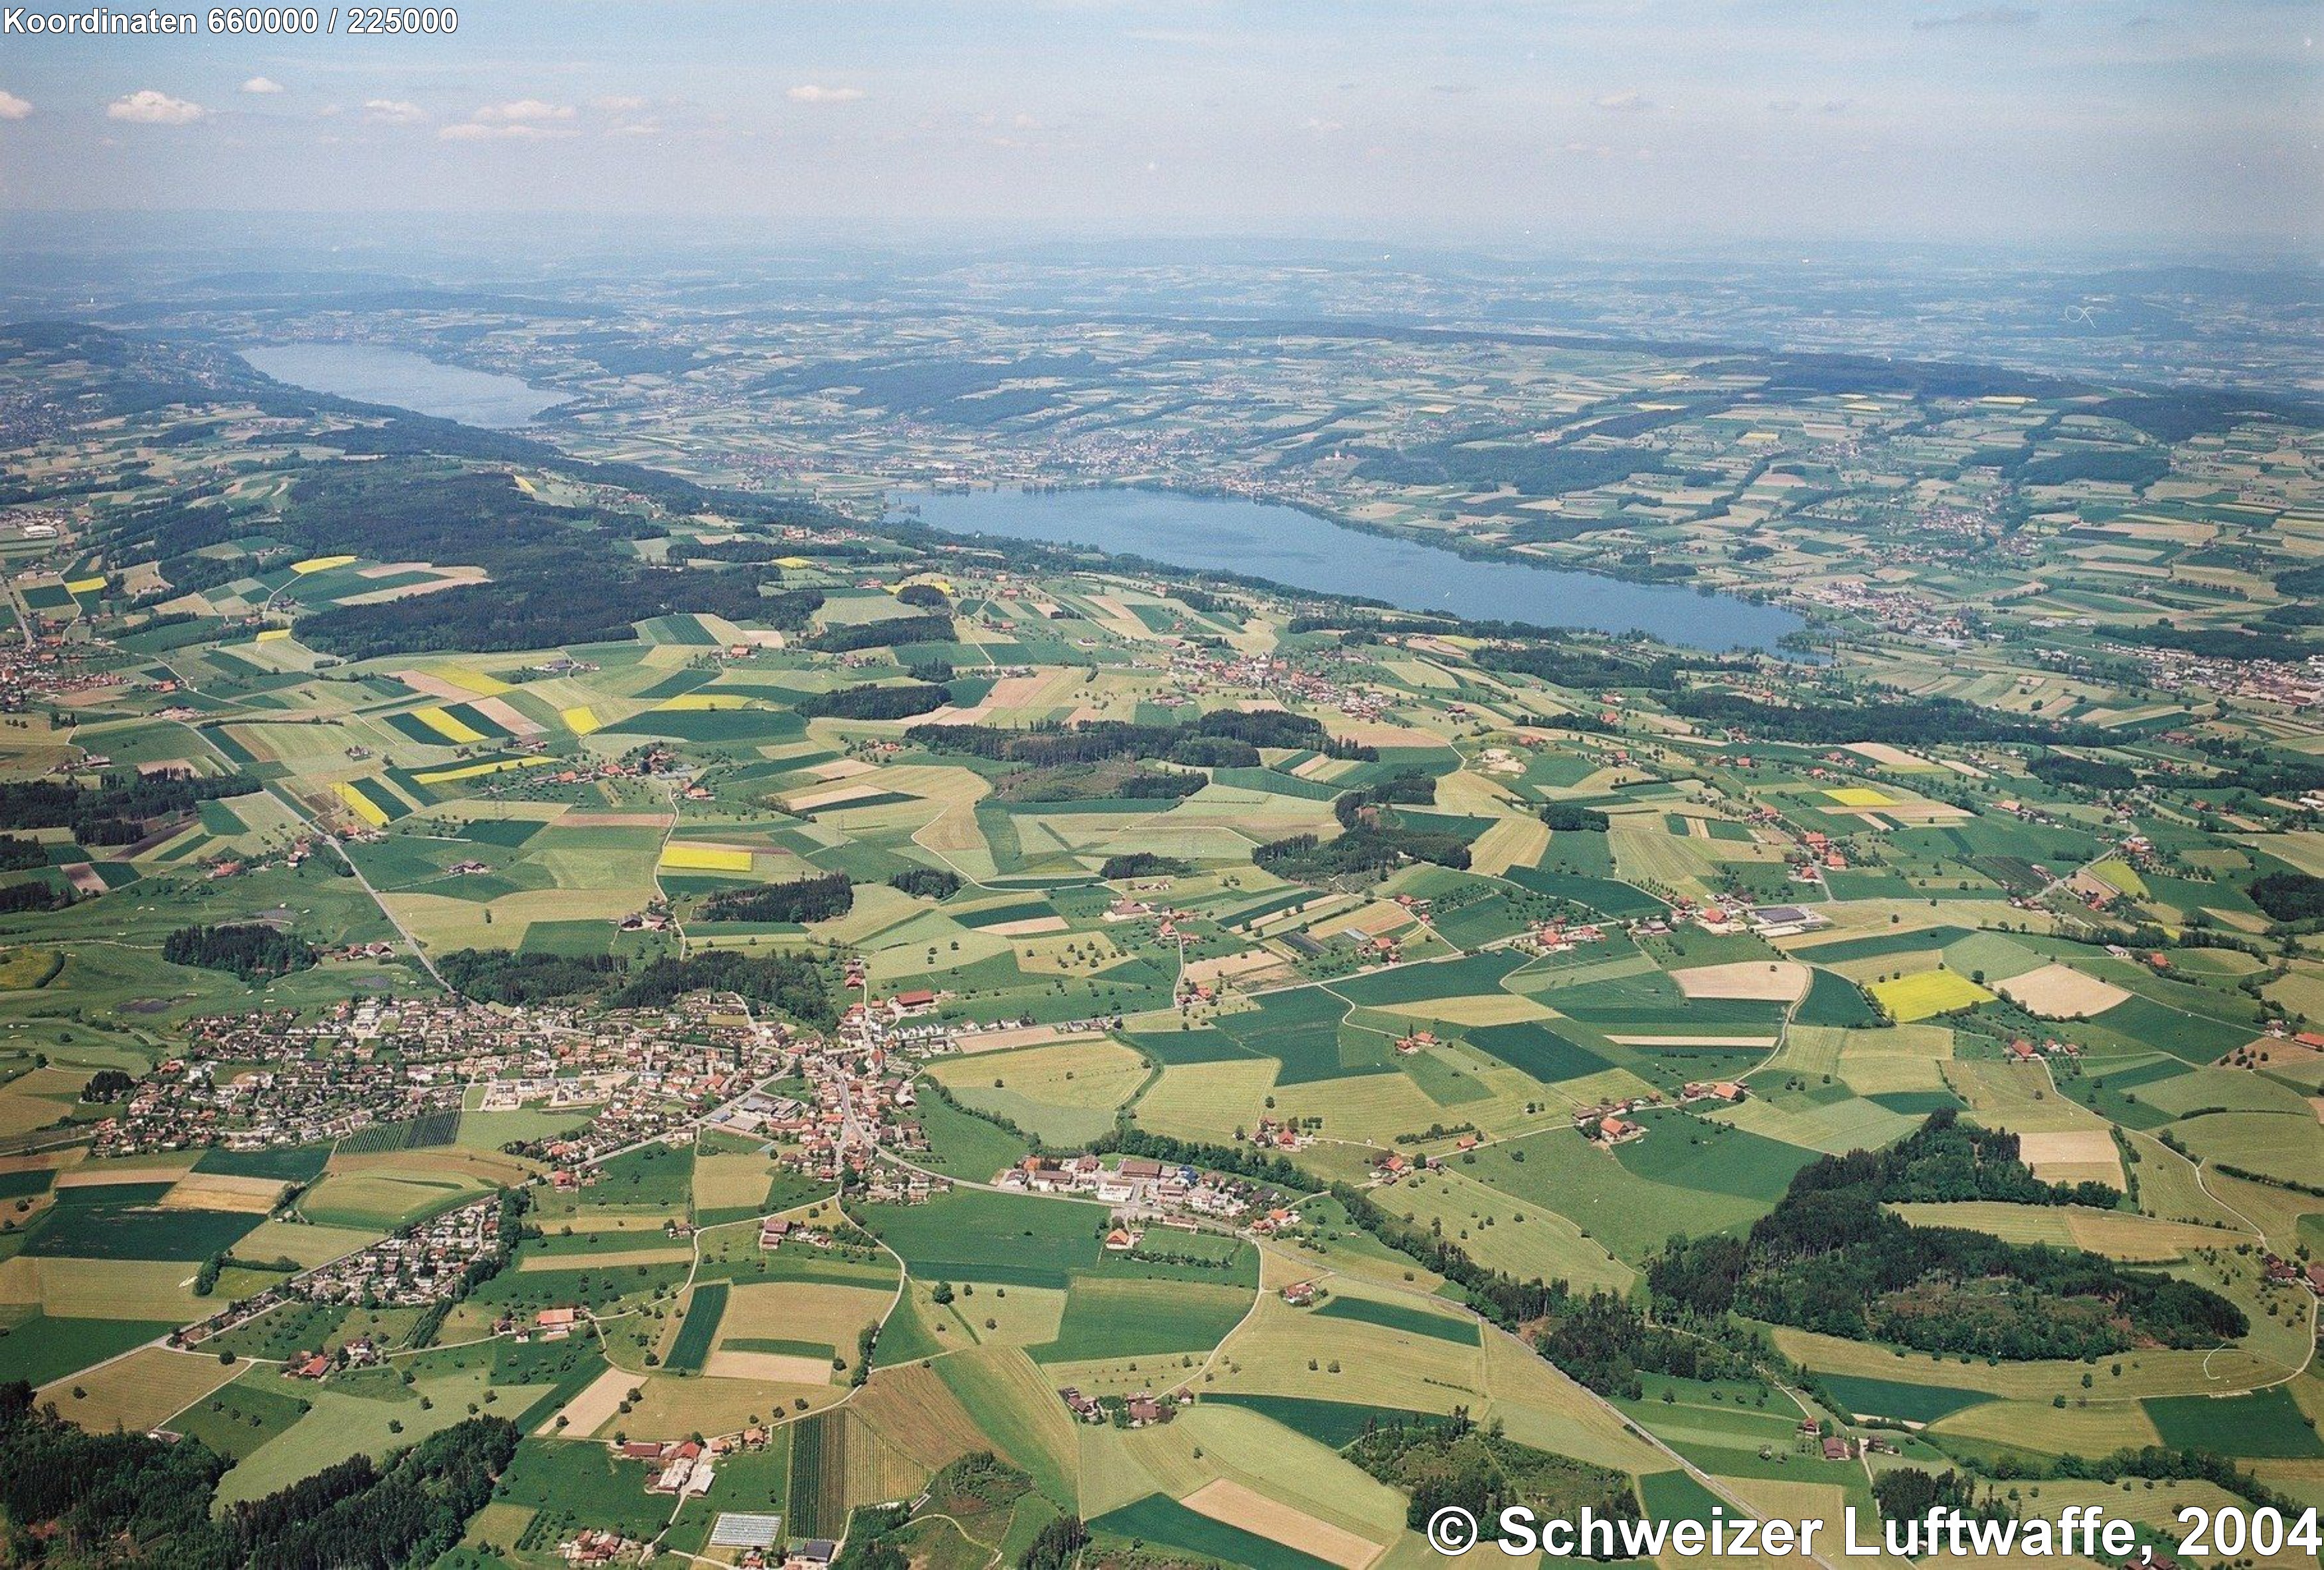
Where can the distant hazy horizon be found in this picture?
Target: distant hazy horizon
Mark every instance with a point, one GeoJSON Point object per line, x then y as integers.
{"type": "Point", "coordinates": [2104, 127]}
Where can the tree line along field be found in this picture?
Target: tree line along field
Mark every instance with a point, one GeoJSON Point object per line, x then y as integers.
{"type": "Point", "coordinates": [1437, 903]}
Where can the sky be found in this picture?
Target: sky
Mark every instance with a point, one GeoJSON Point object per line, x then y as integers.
{"type": "Point", "coordinates": [2161, 126]}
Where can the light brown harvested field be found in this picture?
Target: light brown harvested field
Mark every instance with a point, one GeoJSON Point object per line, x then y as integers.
{"type": "Point", "coordinates": [2117, 1234]}
{"type": "Point", "coordinates": [811, 800]}
{"type": "Point", "coordinates": [43, 1161]}
{"type": "Point", "coordinates": [1753, 1041]}
{"type": "Point", "coordinates": [605, 1218]}
{"type": "Point", "coordinates": [2059, 992]}
{"type": "Point", "coordinates": [1893, 757]}
{"type": "Point", "coordinates": [142, 1169]}
{"type": "Point", "coordinates": [500, 711]}
{"type": "Point", "coordinates": [1379, 919]}
{"type": "Point", "coordinates": [142, 1390]}
{"type": "Point", "coordinates": [675, 1407]}
{"type": "Point", "coordinates": [306, 1244]}
{"type": "Point", "coordinates": [454, 578]}
{"type": "Point", "coordinates": [810, 1312]}
{"type": "Point", "coordinates": [731, 1182]}
{"type": "Point", "coordinates": [434, 686]}
{"type": "Point", "coordinates": [1762, 981]}
{"type": "Point", "coordinates": [1229, 965]}
{"type": "Point", "coordinates": [1909, 812]}
{"type": "Point", "coordinates": [1382, 735]}
{"type": "Point", "coordinates": [2072, 1157]}
{"type": "Point", "coordinates": [1512, 842]}
{"type": "Point", "coordinates": [841, 769]}
{"type": "Point", "coordinates": [210, 1191]}
{"type": "Point", "coordinates": [1029, 927]}
{"type": "Point", "coordinates": [155, 1290]}
{"type": "Point", "coordinates": [1477, 1009]}
{"type": "Point", "coordinates": [913, 1409]}
{"type": "Point", "coordinates": [2123, 1236]}
{"type": "Point", "coordinates": [1022, 1035]}
{"type": "Point", "coordinates": [778, 1368]}
{"type": "Point", "coordinates": [587, 1412]}
{"type": "Point", "coordinates": [1225, 1499]}
{"type": "Point", "coordinates": [501, 1171]}
{"type": "Point", "coordinates": [1009, 692]}
{"type": "Point", "coordinates": [953, 832]}
{"type": "Point", "coordinates": [611, 1261]}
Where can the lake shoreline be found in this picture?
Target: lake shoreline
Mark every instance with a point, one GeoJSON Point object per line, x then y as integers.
{"type": "Point", "coordinates": [400, 378]}
{"type": "Point", "coordinates": [1486, 578]}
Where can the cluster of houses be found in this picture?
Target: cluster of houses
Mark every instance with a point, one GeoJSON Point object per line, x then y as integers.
{"type": "Point", "coordinates": [1834, 1447]}
{"type": "Point", "coordinates": [684, 1469]}
{"type": "Point", "coordinates": [416, 1267]}
{"type": "Point", "coordinates": [547, 1325]}
{"type": "Point", "coordinates": [1608, 1123]}
{"type": "Point", "coordinates": [380, 1060]}
{"type": "Point", "coordinates": [2274, 681]}
{"type": "Point", "coordinates": [763, 1114]}
{"type": "Point", "coordinates": [1142, 1410]}
{"type": "Point", "coordinates": [1198, 671]}
{"type": "Point", "coordinates": [862, 1095]}
{"type": "Point", "coordinates": [1136, 1184]}
{"type": "Point", "coordinates": [2022, 1049]}
{"type": "Point", "coordinates": [1558, 936]}
{"type": "Point", "coordinates": [889, 1184]}
{"type": "Point", "coordinates": [2291, 1273]}
{"type": "Point", "coordinates": [317, 1366]}
{"type": "Point", "coordinates": [1273, 1135]}
{"type": "Point", "coordinates": [599, 1548]}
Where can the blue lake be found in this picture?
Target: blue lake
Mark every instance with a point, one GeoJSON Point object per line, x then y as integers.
{"type": "Point", "coordinates": [371, 375]}
{"type": "Point", "coordinates": [1287, 546]}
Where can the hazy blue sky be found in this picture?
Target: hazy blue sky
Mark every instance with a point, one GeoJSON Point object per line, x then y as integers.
{"type": "Point", "coordinates": [2163, 123]}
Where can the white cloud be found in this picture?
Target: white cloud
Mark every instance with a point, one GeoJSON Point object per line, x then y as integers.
{"type": "Point", "coordinates": [1624, 103]}
{"type": "Point", "coordinates": [13, 107]}
{"type": "Point", "coordinates": [394, 112]}
{"type": "Point", "coordinates": [474, 131]}
{"type": "Point", "coordinates": [619, 104]}
{"type": "Point", "coordinates": [813, 93]}
{"type": "Point", "coordinates": [521, 120]}
{"type": "Point", "coordinates": [149, 108]}
{"type": "Point", "coordinates": [524, 111]}
{"type": "Point", "coordinates": [261, 84]}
